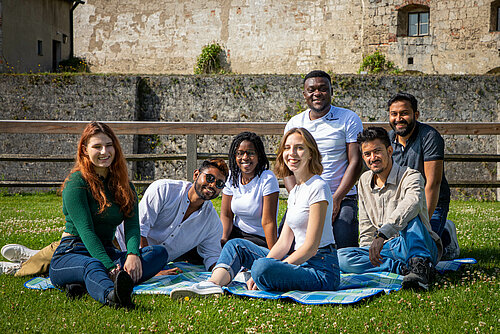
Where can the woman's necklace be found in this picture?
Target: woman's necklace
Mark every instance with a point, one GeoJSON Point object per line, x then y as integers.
{"type": "Point", "coordinates": [245, 181]}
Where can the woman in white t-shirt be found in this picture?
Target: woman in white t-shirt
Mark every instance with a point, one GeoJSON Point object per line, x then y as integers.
{"type": "Point", "coordinates": [313, 266]}
{"type": "Point", "coordinates": [250, 199]}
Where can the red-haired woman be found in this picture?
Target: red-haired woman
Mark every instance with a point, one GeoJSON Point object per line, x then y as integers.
{"type": "Point", "coordinates": [97, 197]}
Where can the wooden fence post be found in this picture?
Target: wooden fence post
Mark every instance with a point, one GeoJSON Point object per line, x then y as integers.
{"type": "Point", "coordinates": [191, 156]}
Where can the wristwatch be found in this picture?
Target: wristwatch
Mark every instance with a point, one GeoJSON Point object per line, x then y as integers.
{"type": "Point", "coordinates": [379, 234]}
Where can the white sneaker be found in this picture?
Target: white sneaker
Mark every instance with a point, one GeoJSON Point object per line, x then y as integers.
{"type": "Point", "coordinates": [200, 289]}
{"type": "Point", "coordinates": [9, 268]}
{"type": "Point", "coordinates": [452, 251]}
{"type": "Point", "coordinates": [17, 253]}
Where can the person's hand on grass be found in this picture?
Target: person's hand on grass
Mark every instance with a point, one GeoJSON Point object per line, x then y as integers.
{"type": "Point", "coordinates": [172, 271]}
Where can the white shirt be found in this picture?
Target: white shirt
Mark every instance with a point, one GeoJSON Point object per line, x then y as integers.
{"type": "Point", "coordinates": [161, 211]}
{"type": "Point", "coordinates": [300, 199]}
{"type": "Point", "coordinates": [332, 132]}
{"type": "Point", "coordinates": [248, 201]}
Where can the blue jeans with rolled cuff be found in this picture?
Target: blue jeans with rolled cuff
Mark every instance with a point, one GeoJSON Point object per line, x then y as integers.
{"type": "Point", "coordinates": [413, 241]}
{"type": "Point", "coordinates": [72, 263]}
{"type": "Point", "coordinates": [320, 272]}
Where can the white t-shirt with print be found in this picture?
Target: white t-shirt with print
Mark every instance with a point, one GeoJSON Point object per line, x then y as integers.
{"type": "Point", "coordinates": [248, 201]}
{"type": "Point", "coordinates": [300, 200]}
{"type": "Point", "coordinates": [332, 132]}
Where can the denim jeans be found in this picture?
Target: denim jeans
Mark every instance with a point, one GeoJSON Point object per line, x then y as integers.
{"type": "Point", "coordinates": [438, 221]}
{"type": "Point", "coordinates": [72, 263]}
{"type": "Point", "coordinates": [346, 225]}
{"type": "Point", "coordinates": [413, 241]}
{"type": "Point", "coordinates": [320, 272]}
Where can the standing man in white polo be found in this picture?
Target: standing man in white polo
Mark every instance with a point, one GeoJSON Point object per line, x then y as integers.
{"type": "Point", "coordinates": [335, 131]}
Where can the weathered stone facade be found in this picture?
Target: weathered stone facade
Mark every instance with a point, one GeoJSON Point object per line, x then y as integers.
{"type": "Point", "coordinates": [234, 98]}
{"type": "Point", "coordinates": [287, 36]}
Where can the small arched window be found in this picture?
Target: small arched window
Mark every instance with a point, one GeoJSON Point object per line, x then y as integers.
{"type": "Point", "coordinates": [413, 20]}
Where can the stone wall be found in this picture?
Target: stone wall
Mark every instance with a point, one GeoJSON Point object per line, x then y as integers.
{"type": "Point", "coordinates": [59, 97]}
{"type": "Point", "coordinates": [285, 36]}
{"type": "Point", "coordinates": [234, 98]}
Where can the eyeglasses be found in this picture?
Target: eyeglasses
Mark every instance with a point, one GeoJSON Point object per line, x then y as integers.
{"type": "Point", "coordinates": [250, 154]}
{"type": "Point", "coordinates": [219, 184]}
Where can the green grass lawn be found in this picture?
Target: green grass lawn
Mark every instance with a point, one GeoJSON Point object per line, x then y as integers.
{"type": "Point", "coordinates": [458, 302]}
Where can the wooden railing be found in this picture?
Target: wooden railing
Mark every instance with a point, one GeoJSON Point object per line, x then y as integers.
{"type": "Point", "coordinates": [193, 129]}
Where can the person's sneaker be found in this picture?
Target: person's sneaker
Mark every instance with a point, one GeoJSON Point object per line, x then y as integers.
{"type": "Point", "coordinates": [452, 251]}
{"type": "Point", "coordinates": [17, 253]}
{"type": "Point", "coordinates": [403, 269]}
{"type": "Point", "coordinates": [200, 289]}
{"type": "Point", "coordinates": [9, 268]}
{"type": "Point", "coordinates": [421, 273]}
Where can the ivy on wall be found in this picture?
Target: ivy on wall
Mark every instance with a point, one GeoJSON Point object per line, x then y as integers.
{"type": "Point", "coordinates": [209, 59]}
{"type": "Point", "coordinates": [377, 63]}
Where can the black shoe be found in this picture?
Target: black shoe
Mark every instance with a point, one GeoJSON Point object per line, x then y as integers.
{"type": "Point", "coordinates": [121, 295]}
{"type": "Point", "coordinates": [404, 269]}
{"type": "Point", "coordinates": [75, 290]}
{"type": "Point", "coordinates": [420, 275]}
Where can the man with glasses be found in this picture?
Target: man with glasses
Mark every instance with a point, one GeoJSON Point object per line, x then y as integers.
{"type": "Point", "coordinates": [179, 215]}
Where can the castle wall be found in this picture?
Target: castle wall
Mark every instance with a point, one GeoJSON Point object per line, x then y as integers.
{"type": "Point", "coordinates": [284, 36]}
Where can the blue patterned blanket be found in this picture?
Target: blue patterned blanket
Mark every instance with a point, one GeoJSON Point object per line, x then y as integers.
{"type": "Point", "coordinates": [353, 287]}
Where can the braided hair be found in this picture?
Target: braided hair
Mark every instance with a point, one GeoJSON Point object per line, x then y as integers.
{"type": "Point", "coordinates": [262, 164]}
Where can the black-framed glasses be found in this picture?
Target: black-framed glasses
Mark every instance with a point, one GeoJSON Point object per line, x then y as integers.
{"type": "Point", "coordinates": [249, 153]}
{"type": "Point", "coordinates": [219, 184]}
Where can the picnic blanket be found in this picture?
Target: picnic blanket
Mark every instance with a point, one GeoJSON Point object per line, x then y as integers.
{"type": "Point", "coordinates": [353, 287]}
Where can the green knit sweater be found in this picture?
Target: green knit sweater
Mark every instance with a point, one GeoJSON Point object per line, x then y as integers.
{"type": "Point", "coordinates": [82, 219]}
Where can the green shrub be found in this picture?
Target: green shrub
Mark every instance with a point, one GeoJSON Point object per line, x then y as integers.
{"type": "Point", "coordinates": [209, 59]}
{"type": "Point", "coordinates": [376, 63]}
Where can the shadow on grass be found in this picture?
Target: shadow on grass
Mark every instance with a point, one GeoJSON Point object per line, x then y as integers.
{"type": "Point", "coordinates": [486, 257]}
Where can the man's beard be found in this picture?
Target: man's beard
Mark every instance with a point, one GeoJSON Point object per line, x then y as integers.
{"type": "Point", "coordinates": [198, 189]}
{"type": "Point", "coordinates": [378, 170]}
{"type": "Point", "coordinates": [403, 133]}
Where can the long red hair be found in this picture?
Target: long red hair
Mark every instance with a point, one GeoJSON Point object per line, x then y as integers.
{"type": "Point", "coordinates": [119, 184]}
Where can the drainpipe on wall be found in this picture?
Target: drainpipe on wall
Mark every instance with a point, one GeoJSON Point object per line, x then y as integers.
{"type": "Point", "coordinates": [71, 39]}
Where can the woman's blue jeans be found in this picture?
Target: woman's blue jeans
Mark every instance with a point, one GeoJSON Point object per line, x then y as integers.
{"type": "Point", "coordinates": [72, 263]}
{"type": "Point", "coordinates": [413, 241]}
{"type": "Point", "coordinates": [320, 272]}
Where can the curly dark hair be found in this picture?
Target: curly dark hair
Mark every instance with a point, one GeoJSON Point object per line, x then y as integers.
{"type": "Point", "coordinates": [263, 162]}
